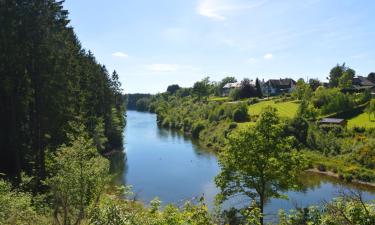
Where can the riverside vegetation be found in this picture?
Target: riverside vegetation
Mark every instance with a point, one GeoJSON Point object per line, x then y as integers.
{"type": "Point", "coordinates": [62, 116]}
{"type": "Point", "coordinates": [216, 121]}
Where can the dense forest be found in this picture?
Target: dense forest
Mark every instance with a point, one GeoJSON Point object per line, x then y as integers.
{"type": "Point", "coordinates": [48, 80]}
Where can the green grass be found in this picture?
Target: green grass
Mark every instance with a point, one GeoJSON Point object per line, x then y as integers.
{"type": "Point", "coordinates": [285, 109]}
{"type": "Point", "coordinates": [219, 99]}
{"type": "Point", "coordinates": [357, 118]}
{"type": "Point", "coordinates": [361, 120]}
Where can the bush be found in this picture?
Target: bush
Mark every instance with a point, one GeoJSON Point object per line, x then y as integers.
{"type": "Point", "coordinates": [232, 126]}
{"type": "Point", "coordinates": [235, 94]}
{"type": "Point", "coordinates": [252, 101]}
{"type": "Point", "coordinates": [197, 128]}
{"type": "Point", "coordinates": [240, 114]}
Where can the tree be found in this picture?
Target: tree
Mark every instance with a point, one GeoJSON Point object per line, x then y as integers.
{"type": "Point", "coordinates": [143, 104]}
{"type": "Point", "coordinates": [334, 75]}
{"type": "Point", "coordinates": [259, 163]}
{"type": "Point", "coordinates": [222, 83]}
{"type": "Point", "coordinates": [80, 177]}
{"type": "Point", "coordinates": [172, 89]}
{"type": "Point", "coordinates": [302, 91]}
{"type": "Point", "coordinates": [201, 88]}
{"type": "Point", "coordinates": [258, 88]}
{"type": "Point", "coordinates": [247, 90]}
{"type": "Point", "coordinates": [371, 109]}
{"type": "Point", "coordinates": [341, 76]}
{"type": "Point", "coordinates": [345, 81]}
{"type": "Point", "coordinates": [314, 83]}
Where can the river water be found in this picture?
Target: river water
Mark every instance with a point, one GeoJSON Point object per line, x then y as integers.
{"type": "Point", "coordinates": [169, 165]}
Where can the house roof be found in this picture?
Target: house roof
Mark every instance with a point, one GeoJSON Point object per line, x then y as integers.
{"type": "Point", "coordinates": [332, 120]}
{"type": "Point", "coordinates": [362, 81]}
{"type": "Point", "coordinates": [281, 83]}
{"type": "Point", "coordinates": [232, 85]}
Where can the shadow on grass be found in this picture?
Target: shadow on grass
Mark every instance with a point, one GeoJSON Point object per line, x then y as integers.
{"type": "Point", "coordinates": [351, 113]}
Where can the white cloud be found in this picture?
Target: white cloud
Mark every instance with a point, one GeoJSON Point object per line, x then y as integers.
{"type": "Point", "coordinates": [268, 56]}
{"type": "Point", "coordinates": [217, 9]}
{"type": "Point", "coordinates": [158, 67]}
{"type": "Point", "coordinates": [251, 60]}
{"type": "Point", "coordinates": [120, 54]}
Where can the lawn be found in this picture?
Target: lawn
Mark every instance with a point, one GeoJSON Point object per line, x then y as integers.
{"type": "Point", "coordinates": [219, 99]}
{"type": "Point", "coordinates": [285, 109]}
{"type": "Point", "coordinates": [357, 118]}
{"type": "Point", "coordinates": [361, 120]}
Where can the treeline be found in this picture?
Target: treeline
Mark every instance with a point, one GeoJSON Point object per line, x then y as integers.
{"type": "Point", "coordinates": [137, 101]}
{"type": "Point", "coordinates": [47, 82]}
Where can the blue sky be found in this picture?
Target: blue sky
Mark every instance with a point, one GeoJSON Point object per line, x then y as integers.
{"type": "Point", "coordinates": [154, 43]}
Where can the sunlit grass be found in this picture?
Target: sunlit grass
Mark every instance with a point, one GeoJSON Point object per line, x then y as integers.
{"type": "Point", "coordinates": [361, 120]}
{"type": "Point", "coordinates": [285, 109]}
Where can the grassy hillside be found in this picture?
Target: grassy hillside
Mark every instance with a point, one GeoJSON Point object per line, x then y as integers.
{"type": "Point", "coordinates": [285, 109]}
{"type": "Point", "coordinates": [361, 120]}
{"type": "Point", "coordinates": [357, 118]}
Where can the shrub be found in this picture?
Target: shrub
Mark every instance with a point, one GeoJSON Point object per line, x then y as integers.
{"type": "Point", "coordinates": [240, 114]}
{"type": "Point", "coordinates": [232, 126]}
{"type": "Point", "coordinates": [252, 101]}
{"type": "Point", "coordinates": [197, 128]}
{"type": "Point", "coordinates": [235, 94]}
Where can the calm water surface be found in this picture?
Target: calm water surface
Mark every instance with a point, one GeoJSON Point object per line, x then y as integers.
{"type": "Point", "coordinates": [166, 164]}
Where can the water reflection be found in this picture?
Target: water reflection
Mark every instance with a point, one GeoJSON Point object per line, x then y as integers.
{"type": "Point", "coordinates": [168, 164]}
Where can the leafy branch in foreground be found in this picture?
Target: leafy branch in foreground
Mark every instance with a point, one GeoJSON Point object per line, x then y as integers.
{"type": "Point", "coordinates": [79, 180]}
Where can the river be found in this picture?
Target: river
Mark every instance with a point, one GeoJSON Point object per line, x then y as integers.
{"type": "Point", "coordinates": [167, 164]}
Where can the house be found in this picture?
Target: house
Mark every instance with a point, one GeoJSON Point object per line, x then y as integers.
{"type": "Point", "coordinates": [278, 86]}
{"type": "Point", "coordinates": [333, 121]}
{"type": "Point", "coordinates": [360, 83]}
{"type": "Point", "coordinates": [230, 86]}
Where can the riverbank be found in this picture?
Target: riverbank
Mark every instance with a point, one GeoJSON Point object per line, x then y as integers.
{"type": "Point", "coordinates": [334, 167]}
{"type": "Point", "coordinates": [336, 176]}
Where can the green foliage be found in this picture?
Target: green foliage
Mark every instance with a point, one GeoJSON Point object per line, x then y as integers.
{"type": "Point", "coordinates": [307, 111]}
{"type": "Point", "coordinates": [314, 84]}
{"type": "Point", "coordinates": [79, 178]}
{"type": "Point", "coordinates": [343, 210]}
{"type": "Point", "coordinates": [240, 114]}
{"type": "Point", "coordinates": [114, 211]}
{"type": "Point", "coordinates": [48, 79]}
{"type": "Point", "coordinates": [202, 88]}
{"type": "Point", "coordinates": [371, 108]}
{"type": "Point", "coordinates": [172, 89]}
{"type": "Point", "coordinates": [235, 94]}
{"type": "Point", "coordinates": [302, 91]}
{"type": "Point", "coordinates": [247, 90]}
{"type": "Point", "coordinates": [258, 162]}
{"type": "Point", "coordinates": [17, 207]}
{"type": "Point", "coordinates": [345, 81]}
{"type": "Point", "coordinates": [341, 76]}
{"type": "Point", "coordinates": [197, 128]}
{"type": "Point", "coordinates": [222, 83]}
{"type": "Point", "coordinates": [332, 100]}
{"type": "Point", "coordinates": [143, 104]}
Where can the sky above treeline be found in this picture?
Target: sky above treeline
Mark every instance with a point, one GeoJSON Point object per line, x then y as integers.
{"type": "Point", "coordinates": [155, 43]}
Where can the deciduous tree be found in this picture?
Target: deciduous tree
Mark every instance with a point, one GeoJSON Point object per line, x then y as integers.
{"type": "Point", "coordinates": [258, 163]}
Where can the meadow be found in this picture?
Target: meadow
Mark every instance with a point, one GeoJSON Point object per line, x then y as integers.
{"type": "Point", "coordinates": [285, 109]}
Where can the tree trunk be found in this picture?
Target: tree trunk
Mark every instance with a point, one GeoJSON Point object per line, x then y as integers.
{"type": "Point", "coordinates": [261, 206]}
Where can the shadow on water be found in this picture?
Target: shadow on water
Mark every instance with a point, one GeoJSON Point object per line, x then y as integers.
{"type": "Point", "coordinates": [118, 167]}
